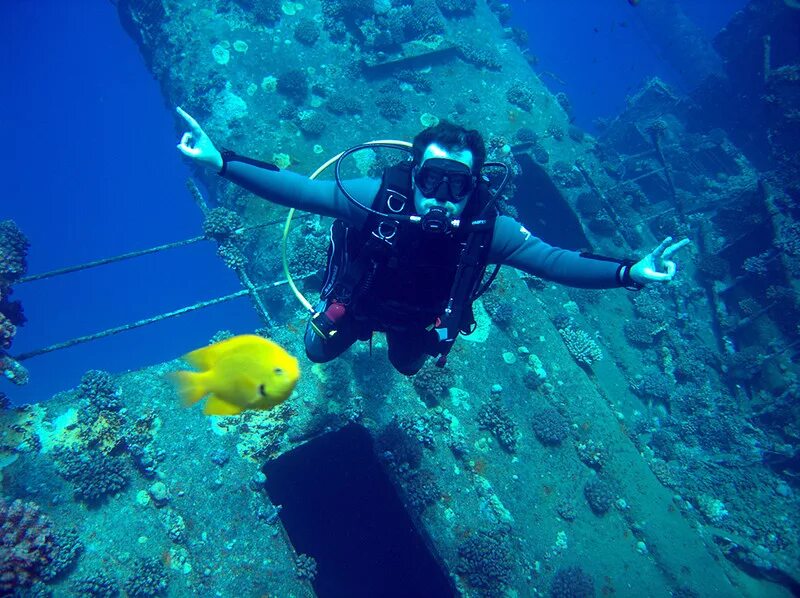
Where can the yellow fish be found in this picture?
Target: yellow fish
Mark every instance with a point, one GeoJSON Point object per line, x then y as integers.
{"type": "Point", "coordinates": [240, 373]}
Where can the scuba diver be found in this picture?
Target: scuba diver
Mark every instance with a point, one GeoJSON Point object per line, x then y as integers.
{"type": "Point", "coordinates": [408, 252]}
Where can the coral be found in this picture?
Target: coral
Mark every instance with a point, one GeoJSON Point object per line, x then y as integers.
{"type": "Point", "coordinates": [305, 567]}
{"type": "Point", "coordinates": [419, 81]}
{"type": "Point", "coordinates": [432, 383]}
{"type": "Point", "coordinates": [398, 447]}
{"type": "Point", "coordinates": [599, 495]}
{"type": "Point", "coordinates": [566, 510]}
{"type": "Point", "coordinates": [565, 175]}
{"type": "Point", "coordinates": [306, 31]}
{"type": "Point", "coordinates": [7, 332]}
{"type": "Point", "coordinates": [232, 256]}
{"type": "Point", "coordinates": [563, 101]}
{"type": "Point", "coordinates": [525, 135]}
{"type": "Point", "coordinates": [149, 579]}
{"type": "Point", "coordinates": [423, 19]}
{"type": "Point", "coordinates": [93, 474]}
{"type": "Point", "coordinates": [581, 346]}
{"type": "Point", "coordinates": [494, 417]}
{"type": "Point", "coordinates": [456, 8]}
{"type": "Point", "coordinates": [294, 85]}
{"type": "Point", "coordinates": [66, 549]}
{"type": "Point", "coordinates": [639, 332]}
{"type": "Point", "coordinates": [521, 95]}
{"type": "Point", "coordinates": [550, 427]}
{"type": "Point", "coordinates": [541, 155]}
{"type": "Point", "coordinates": [485, 560]}
{"type": "Point", "coordinates": [349, 11]}
{"type": "Point", "coordinates": [99, 389]}
{"type": "Point", "coordinates": [482, 57]}
{"type": "Point", "coordinates": [265, 12]}
{"type": "Point", "coordinates": [592, 453]}
{"type": "Point", "coordinates": [576, 133]}
{"type": "Point", "coordinates": [27, 544]}
{"type": "Point", "coordinates": [13, 251]}
{"type": "Point", "coordinates": [344, 103]}
{"type": "Point", "coordinates": [649, 304]}
{"type": "Point", "coordinates": [311, 123]}
{"type": "Point", "coordinates": [421, 489]}
{"type": "Point", "coordinates": [499, 308]}
{"type": "Point", "coordinates": [654, 385]}
{"type": "Point", "coordinates": [663, 443]}
{"type": "Point", "coordinates": [588, 204]}
{"type": "Point", "coordinates": [221, 223]}
{"type": "Point", "coordinates": [391, 107]}
{"type": "Point", "coordinates": [96, 585]}
{"type": "Point", "coordinates": [712, 509]}
{"type": "Point", "coordinates": [571, 582]}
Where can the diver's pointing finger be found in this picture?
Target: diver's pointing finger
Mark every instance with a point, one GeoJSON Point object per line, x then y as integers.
{"type": "Point", "coordinates": [675, 247]}
{"type": "Point", "coordinates": [190, 120]}
{"type": "Point", "coordinates": [660, 249]}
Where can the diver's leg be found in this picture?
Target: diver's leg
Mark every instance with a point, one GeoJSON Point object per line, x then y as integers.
{"type": "Point", "coordinates": [409, 349]}
{"type": "Point", "coordinates": [321, 350]}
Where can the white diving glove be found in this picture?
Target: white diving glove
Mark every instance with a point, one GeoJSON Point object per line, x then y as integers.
{"type": "Point", "coordinates": [196, 145]}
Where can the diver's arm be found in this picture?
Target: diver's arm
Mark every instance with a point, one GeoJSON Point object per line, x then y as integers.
{"type": "Point", "coordinates": [512, 245]}
{"type": "Point", "coordinates": [297, 191]}
{"type": "Point", "coordinates": [282, 187]}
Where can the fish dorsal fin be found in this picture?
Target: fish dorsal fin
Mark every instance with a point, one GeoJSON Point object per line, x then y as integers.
{"type": "Point", "coordinates": [217, 406]}
{"type": "Point", "coordinates": [205, 357]}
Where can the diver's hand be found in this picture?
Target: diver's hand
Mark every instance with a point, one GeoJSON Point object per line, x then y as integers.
{"type": "Point", "coordinates": [197, 145]}
{"type": "Point", "coordinates": [656, 265]}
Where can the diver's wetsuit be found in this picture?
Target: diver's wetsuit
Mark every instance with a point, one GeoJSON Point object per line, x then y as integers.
{"type": "Point", "coordinates": [511, 245]}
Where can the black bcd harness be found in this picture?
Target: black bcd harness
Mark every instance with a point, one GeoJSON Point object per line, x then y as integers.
{"type": "Point", "coordinates": [370, 263]}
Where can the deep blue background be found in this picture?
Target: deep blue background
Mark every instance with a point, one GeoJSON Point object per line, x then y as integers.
{"type": "Point", "coordinates": [602, 50]}
{"type": "Point", "coordinates": [89, 170]}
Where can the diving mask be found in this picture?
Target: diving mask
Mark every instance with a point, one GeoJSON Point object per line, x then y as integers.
{"type": "Point", "coordinates": [455, 176]}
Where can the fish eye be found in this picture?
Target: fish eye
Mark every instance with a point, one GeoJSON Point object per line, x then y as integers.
{"type": "Point", "coordinates": [278, 371]}
{"type": "Point", "coordinates": [262, 390]}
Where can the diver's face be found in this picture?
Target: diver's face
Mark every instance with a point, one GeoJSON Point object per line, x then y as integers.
{"type": "Point", "coordinates": [443, 178]}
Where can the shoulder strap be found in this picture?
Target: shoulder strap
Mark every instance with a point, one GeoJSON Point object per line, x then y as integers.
{"type": "Point", "coordinates": [457, 316]}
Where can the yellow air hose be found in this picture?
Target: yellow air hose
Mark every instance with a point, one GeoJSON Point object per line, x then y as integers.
{"type": "Point", "coordinates": [316, 173]}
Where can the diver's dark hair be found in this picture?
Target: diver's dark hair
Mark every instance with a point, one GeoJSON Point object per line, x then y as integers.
{"type": "Point", "coordinates": [451, 137]}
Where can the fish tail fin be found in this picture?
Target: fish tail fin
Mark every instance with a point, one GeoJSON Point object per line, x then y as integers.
{"type": "Point", "coordinates": [190, 386]}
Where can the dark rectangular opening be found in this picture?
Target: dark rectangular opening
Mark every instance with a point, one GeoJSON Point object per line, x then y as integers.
{"type": "Point", "coordinates": [340, 507]}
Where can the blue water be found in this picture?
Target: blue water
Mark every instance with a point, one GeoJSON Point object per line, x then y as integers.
{"type": "Point", "coordinates": [602, 51]}
{"type": "Point", "coordinates": [90, 170]}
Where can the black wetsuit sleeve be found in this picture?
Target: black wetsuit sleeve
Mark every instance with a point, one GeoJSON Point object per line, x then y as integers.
{"type": "Point", "coordinates": [297, 191]}
{"type": "Point", "coordinates": [513, 245]}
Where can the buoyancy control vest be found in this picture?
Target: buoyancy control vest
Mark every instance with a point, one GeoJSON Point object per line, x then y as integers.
{"type": "Point", "coordinates": [389, 274]}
